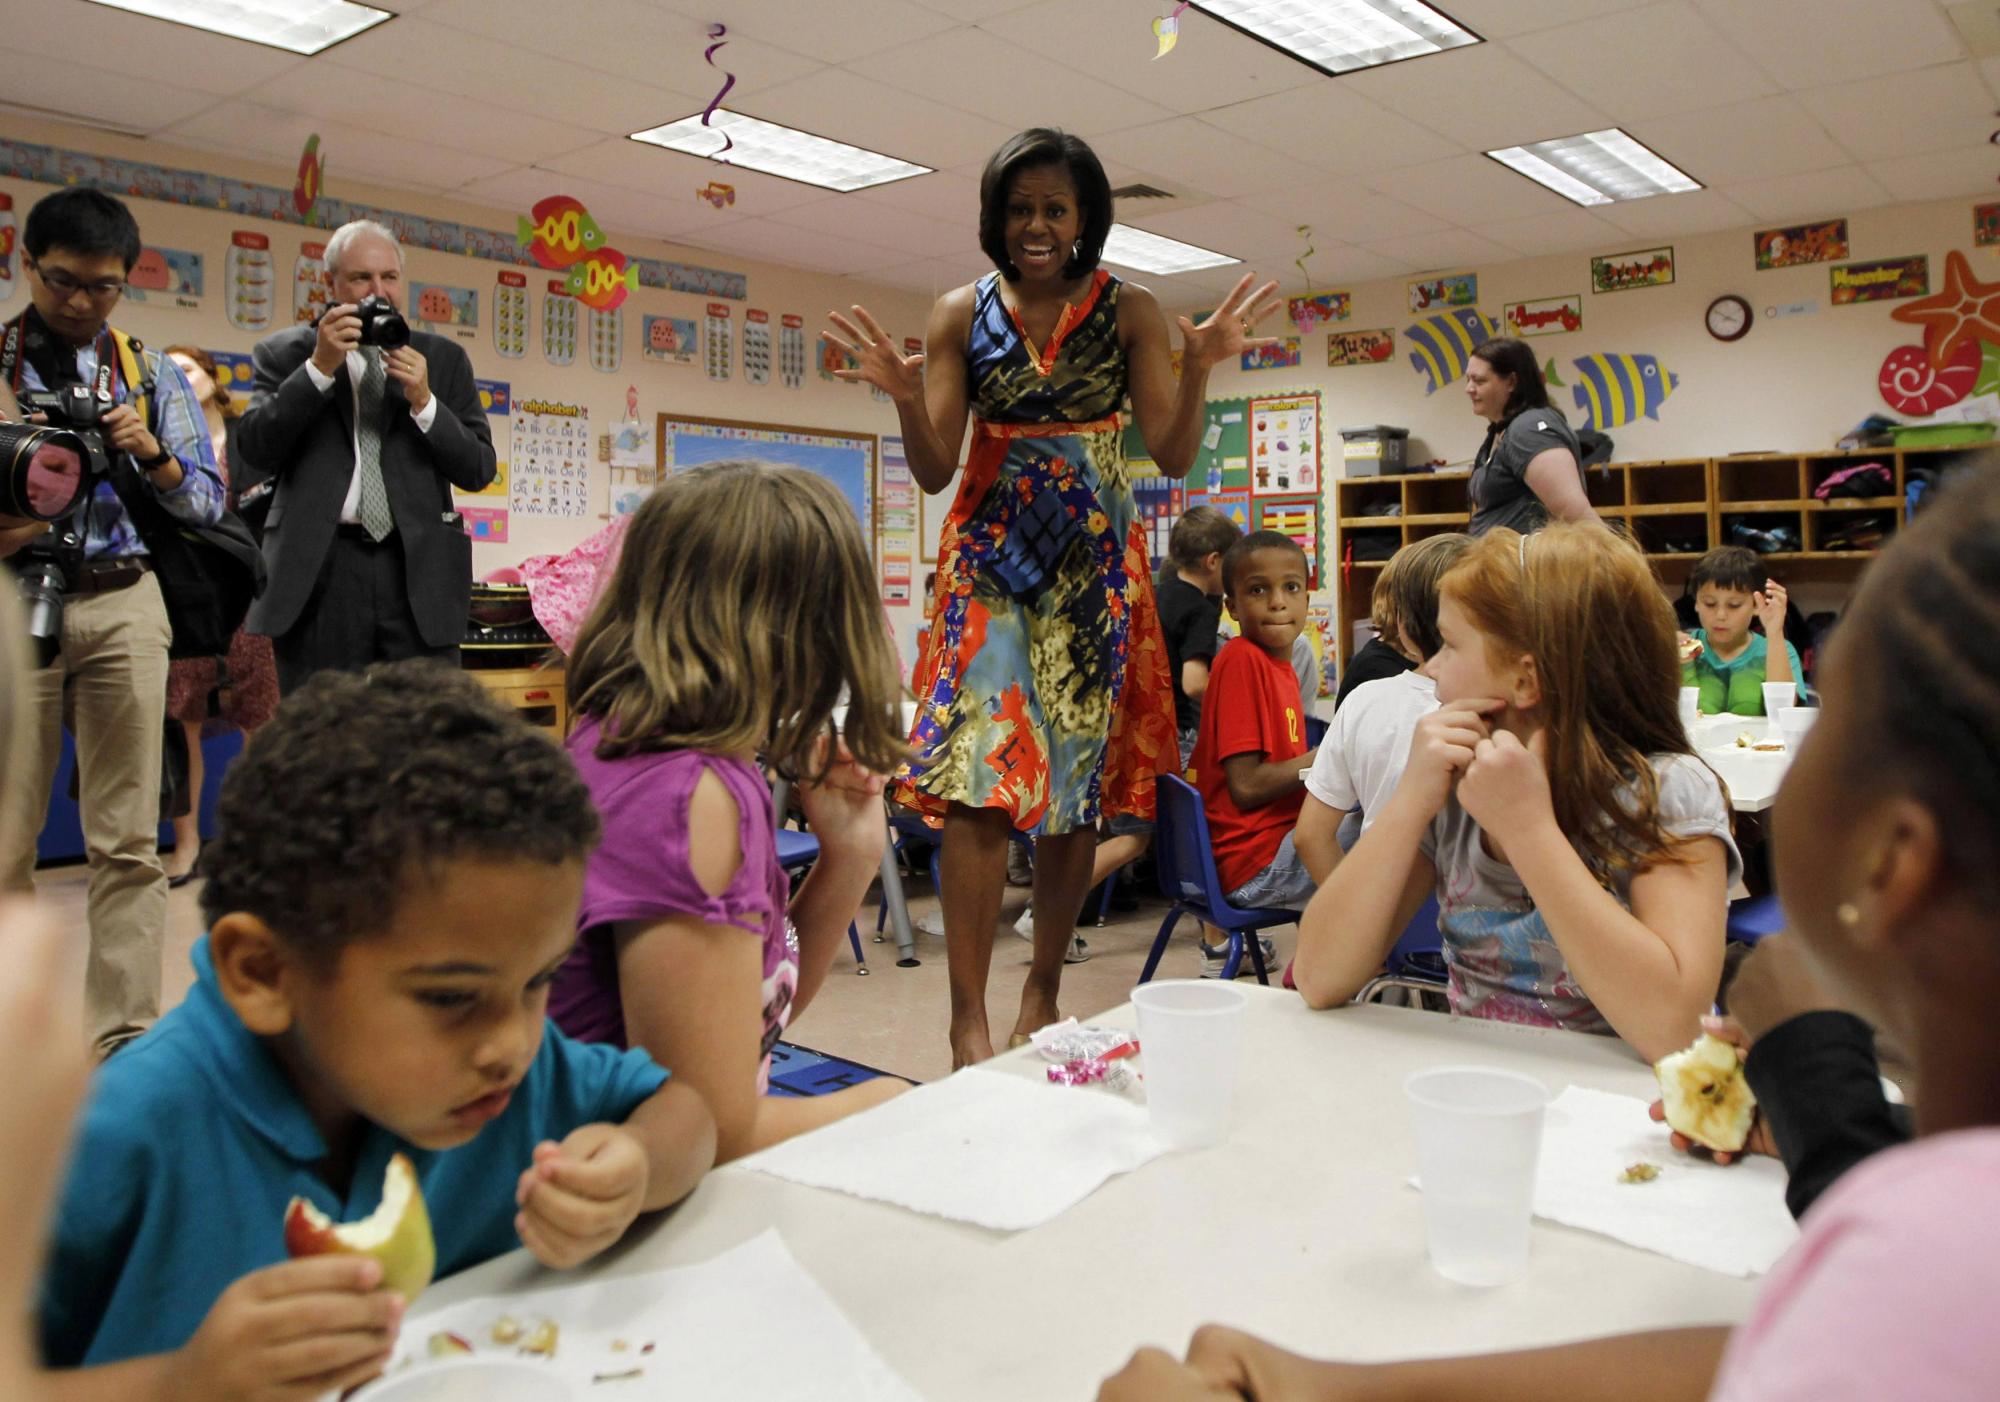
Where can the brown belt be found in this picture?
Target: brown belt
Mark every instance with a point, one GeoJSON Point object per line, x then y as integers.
{"type": "Point", "coordinates": [103, 576]}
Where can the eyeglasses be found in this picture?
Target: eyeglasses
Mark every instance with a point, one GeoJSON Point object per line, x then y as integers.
{"type": "Point", "coordinates": [64, 285]}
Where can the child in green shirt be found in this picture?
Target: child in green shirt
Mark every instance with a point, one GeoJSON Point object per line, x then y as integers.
{"type": "Point", "coordinates": [1730, 589]}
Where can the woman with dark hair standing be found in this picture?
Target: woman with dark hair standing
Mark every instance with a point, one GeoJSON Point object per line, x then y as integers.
{"type": "Point", "coordinates": [1530, 468]}
{"type": "Point", "coordinates": [1043, 700]}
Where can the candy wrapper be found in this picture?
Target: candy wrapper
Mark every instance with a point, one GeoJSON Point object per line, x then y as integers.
{"type": "Point", "coordinates": [1067, 1041]}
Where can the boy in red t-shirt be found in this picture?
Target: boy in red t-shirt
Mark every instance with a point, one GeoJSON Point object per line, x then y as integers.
{"type": "Point", "coordinates": [1253, 733]}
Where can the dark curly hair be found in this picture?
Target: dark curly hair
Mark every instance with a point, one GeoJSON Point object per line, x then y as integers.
{"type": "Point", "coordinates": [364, 782]}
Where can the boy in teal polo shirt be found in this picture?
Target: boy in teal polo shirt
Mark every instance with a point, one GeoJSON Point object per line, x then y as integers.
{"type": "Point", "coordinates": [395, 885]}
{"type": "Point", "coordinates": [1729, 590]}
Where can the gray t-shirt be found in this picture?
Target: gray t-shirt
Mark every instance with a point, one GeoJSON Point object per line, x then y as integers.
{"type": "Point", "coordinates": [1504, 962]}
{"type": "Point", "coordinates": [1501, 495]}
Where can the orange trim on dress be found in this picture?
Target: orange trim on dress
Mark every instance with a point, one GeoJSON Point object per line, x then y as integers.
{"type": "Point", "coordinates": [1110, 424]}
{"type": "Point", "coordinates": [1044, 362]}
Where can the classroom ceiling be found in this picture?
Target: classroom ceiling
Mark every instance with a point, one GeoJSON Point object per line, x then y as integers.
{"type": "Point", "coordinates": [1784, 109]}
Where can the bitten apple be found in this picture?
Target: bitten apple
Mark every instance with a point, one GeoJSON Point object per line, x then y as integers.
{"type": "Point", "coordinates": [1705, 1096]}
{"type": "Point", "coordinates": [397, 1233]}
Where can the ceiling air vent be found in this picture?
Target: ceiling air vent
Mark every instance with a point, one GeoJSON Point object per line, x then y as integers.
{"type": "Point", "coordinates": [1140, 192]}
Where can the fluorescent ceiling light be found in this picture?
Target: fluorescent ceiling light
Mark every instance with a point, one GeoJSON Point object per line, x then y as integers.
{"type": "Point", "coordinates": [1340, 36]}
{"type": "Point", "coordinates": [1598, 167]}
{"type": "Point", "coordinates": [783, 151]}
{"type": "Point", "coordinates": [1153, 253]}
{"type": "Point", "coordinates": [302, 26]}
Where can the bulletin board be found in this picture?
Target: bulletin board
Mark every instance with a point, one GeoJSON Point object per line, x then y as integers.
{"type": "Point", "coordinates": [1222, 461]}
{"type": "Point", "coordinates": [848, 460]}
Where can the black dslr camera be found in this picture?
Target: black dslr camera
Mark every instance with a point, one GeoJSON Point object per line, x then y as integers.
{"type": "Point", "coordinates": [381, 324]}
{"type": "Point", "coordinates": [47, 472]}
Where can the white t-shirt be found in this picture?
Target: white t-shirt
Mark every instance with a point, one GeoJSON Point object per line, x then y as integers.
{"type": "Point", "coordinates": [1368, 743]}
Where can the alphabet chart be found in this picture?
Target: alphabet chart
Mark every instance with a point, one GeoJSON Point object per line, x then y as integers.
{"type": "Point", "coordinates": [552, 459]}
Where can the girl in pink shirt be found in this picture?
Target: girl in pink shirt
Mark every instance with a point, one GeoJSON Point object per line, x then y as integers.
{"type": "Point", "coordinates": [1885, 836]}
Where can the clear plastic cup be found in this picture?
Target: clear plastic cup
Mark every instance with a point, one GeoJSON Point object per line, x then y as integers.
{"type": "Point", "coordinates": [1479, 1137]}
{"type": "Point", "coordinates": [1690, 707]}
{"type": "Point", "coordinates": [1777, 696]}
{"type": "Point", "coordinates": [1191, 1045]}
{"type": "Point", "coordinates": [1794, 722]}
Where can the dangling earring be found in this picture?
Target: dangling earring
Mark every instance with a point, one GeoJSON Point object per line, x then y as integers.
{"type": "Point", "coordinates": [1848, 914]}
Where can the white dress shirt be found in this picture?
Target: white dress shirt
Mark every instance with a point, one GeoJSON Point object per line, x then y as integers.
{"type": "Point", "coordinates": [357, 366]}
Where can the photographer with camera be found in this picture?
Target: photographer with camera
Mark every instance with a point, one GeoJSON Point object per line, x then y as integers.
{"type": "Point", "coordinates": [366, 427]}
{"type": "Point", "coordinates": [117, 430]}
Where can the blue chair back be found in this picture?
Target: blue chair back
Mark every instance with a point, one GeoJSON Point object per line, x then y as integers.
{"type": "Point", "coordinates": [1185, 858]}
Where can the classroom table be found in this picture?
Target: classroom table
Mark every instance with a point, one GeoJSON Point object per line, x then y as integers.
{"type": "Point", "coordinates": [1753, 776]}
{"type": "Point", "coordinates": [1300, 1225]}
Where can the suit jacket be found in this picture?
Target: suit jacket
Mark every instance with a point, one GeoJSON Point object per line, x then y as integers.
{"type": "Point", "coordinates": [305, 441]}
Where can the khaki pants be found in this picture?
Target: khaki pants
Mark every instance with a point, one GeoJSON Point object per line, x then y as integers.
{"type": "Point", "coordinates": [108, 685]}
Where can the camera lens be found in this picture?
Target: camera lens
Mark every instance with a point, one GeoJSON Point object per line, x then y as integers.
{"type": "Point", "coordinates": [42, 471]}
{"type": "Point", "coordinates": [42, 583]}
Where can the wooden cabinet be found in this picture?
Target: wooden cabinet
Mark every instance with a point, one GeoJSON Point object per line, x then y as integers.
{"type": "Point", "coordinates": [536, 692]}
{"type": "Point", "coordinates": [1677, 510]}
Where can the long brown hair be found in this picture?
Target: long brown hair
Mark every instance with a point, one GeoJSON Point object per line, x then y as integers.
{"type": "Point", "coordinates": [225, 402]}
{"type": "Point", "coordinates": [1584, 604]}
{"type": "Point", "coordinates": [742, 603]}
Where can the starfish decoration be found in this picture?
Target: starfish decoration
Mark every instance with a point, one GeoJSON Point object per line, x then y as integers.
{"type": "Point", "coordinates": [1966, 311]}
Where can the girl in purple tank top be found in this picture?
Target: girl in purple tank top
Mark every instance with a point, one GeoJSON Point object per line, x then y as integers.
{"type": "Point", "coordinates": [740, 609]}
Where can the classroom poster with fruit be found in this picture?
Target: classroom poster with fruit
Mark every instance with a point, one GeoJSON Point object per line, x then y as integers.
{"type": "Point", "coordinates": [1284, 444]}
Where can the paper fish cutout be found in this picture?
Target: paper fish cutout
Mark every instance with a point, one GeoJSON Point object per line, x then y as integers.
{"type": "Point", "coordinates": [312, 178]}
{"type": "Point", "coordinates": [1613, 390]}
{"type": "Point", "coordinates": [602, 280]}
{"type": "Point", "coordinates": [717, 193]}
{"type": "Point", "coordinates": [1441, 345]}
{"type": "Point", "coordinates": [559, 231]}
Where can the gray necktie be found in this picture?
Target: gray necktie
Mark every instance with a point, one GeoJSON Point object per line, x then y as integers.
{"type": "Point", "coordinates": [375, 513]}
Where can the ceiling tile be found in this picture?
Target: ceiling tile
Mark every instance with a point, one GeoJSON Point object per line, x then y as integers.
{"type": "Point", "coordinates": [96, 95]}
{"type": "Point", "coordinates": [1810, 43]}
{"type": "Point", "coordinates": [974, 11]}
{"type": "Point", "coordinates": [1567, 231]}
{"type": "Point", "coordinates": [1191, 153]}
{"type": "Point", "coordinates": [1743, 141]}
{"type": "Point", "coordinates": [638, 165]}
{"type": "Point", "coordinates": [984, 74]}
{"type": "Point", "coordinates": [943, 194]}
{"type": "Point", "coordinates": [1662, 59]}
{"type": "Point", "coordinates": [1942, 174]}
{"type": "Point", "coordinates": [1819, 194]}
{"type": "Point", "coordinates": [622, 211]}
{"type": "Point", "coordinates": [827, 33]}
{"type": "Point", "coordinates": [399, 109]}
{"type": "Point", "coordinates": [1244, 233]}
{"type": "Point", "coordinates": [75, 31]}
{"type": "Point", "coordinates": [1331, 128]}
{"type": "Point", "coordinates": [844, 105]}
{"type": "Point", "coordinates": [264, 133]}
{"type": "Point", "coordinates": [765, 242]}
{"type": "Point", "coordinates": [1452, 93]}
{"type": "Point", "coordinates": [1468, 190]}
{"type": "Point", "coordinates": [1213, 64]}
{"type": "Point", "coordinates": [1345, 211]}
{"type": "Point", "coordinates": [1453, 248]}
{"type": "Point", "coordinates": [1332, 267]}
{"type": "Point", "coordinates": [1502, 19]}
{"type": "Point", "coordinates": [1666, 216]}
{"type": "Point", "coordinates": [848, 216]}
{"type": "Point", "coordinates": [1906, 114]}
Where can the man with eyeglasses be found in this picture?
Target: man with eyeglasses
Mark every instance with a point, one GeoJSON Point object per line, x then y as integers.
{"type": "Point", "coordinates": [108, 680]}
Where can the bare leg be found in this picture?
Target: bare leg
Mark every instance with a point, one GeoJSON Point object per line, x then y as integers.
{"type": "Point", "coordinates": [1062, 879]}
{"type": "Point", "coordinates": [973, 868]}
{"type": "Point", "coordinates": [1115, 852]}
{"type": "Point", "coordinates": [187, 827]}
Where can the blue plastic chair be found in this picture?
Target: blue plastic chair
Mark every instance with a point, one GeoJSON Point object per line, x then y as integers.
{"type": "Point", "coordinates": [1188, 879]}
{"type": "Point", "coordinates": [797, 850]}
{"type": "Point", "coordinates": [1754, 917]}
{"type": "Point", "coordinates": [1419, 950]}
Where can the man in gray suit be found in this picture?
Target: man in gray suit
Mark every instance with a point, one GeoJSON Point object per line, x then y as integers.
{"type": "Point", "coordinates": [368, 560]}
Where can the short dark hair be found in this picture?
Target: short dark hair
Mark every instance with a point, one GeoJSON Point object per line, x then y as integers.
{"type": "Point", "coordinates": [1731, 567]}
{"type": "Point", "coordinates": [84, 221]}
{"type": "Point", "coordinates": [1045, 146]}
{"type": "Point", "coordinates": [365, 782]}
{"type": "Point", "coordinates": [1201, 532]}
{"type": "Point", "coordinates": [1509, 356]}
{"type": "Point", "coordinates": [1234, 557]}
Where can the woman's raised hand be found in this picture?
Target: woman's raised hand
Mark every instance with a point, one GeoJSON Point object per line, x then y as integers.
{"type": "Point", "coordinates": [899, 376]}
{"type": "Point", "coordinates": [1231, 328]}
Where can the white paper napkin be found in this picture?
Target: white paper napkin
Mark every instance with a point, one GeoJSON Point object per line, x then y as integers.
{"type": "Point", "coordinates": [978, 1146]}
{"type": "Point", "coordinates": [1731, 1220]}
{"type": "Point", "coordinates": [695, 1333]}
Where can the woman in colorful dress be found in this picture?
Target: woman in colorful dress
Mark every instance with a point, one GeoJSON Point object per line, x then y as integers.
{"type": "Point", "coordinates": [1043, 701]}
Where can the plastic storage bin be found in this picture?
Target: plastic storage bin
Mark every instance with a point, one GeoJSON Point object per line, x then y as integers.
{"type": "Point", "coordinates": [1374, 450]}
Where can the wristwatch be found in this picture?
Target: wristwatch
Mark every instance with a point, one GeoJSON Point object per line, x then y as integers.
{"type": "Point", "coordinates": [155, 463]}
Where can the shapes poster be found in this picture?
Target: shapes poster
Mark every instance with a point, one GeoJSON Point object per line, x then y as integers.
{"type": "Point", "coordinates": [1234, 505]}
{"type": "Point", "coordinates": [172, 276]}
{"type": "Point", "coordinates": [559, 324]}
{"type": "Point", "coordinates": [1546, 316]}
{"type": "Point", "coordinates": [444, 306]}
{"type": "Point", "coordinates": [1798, 244]}
{"type": "Point", "coordinates": [671, 340]}
{"type": "Point", "coordinates": [1283, 355]}
{"type": "Point", "coordinates": [1376, 347]}
{"type": "Point", "coordinates": [1884, 280]}
{"type": "Point", "coordinates": [485, 523]}
{"type": "Point", "coordinates": [1644, 267]}
{"type": "Point", "coordinates": [510, 314]}
{"type": "Point", "coordinates": [1436, 294]}
{"type": "Point", "coordinates": [1284, 444]}
{"type": "Point", "coordinates": [552, 459]}
{"type": "Point", "coordinates": [252, 281]}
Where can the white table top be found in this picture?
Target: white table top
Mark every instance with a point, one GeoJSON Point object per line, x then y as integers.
{"type": "Point", "coordinates": [1753, 776]}
{"type": "Point", "coordinates": [1300, 1226]}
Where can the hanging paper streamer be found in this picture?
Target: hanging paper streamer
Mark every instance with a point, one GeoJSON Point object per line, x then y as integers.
{"type": "Point", "coordinates": [312, 179]}
{"type": "Point", "coordinates": [717, 193]}
{"type": "Point", "coordinates": [1305, 233]}
{"type": "Point", "coordinates": [1167, 29]}
{"type": "Point", "coordinates": [715, 32]}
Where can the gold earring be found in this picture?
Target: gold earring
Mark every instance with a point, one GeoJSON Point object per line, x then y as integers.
{"type": "Point", "coordinates": [1848, 914]}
